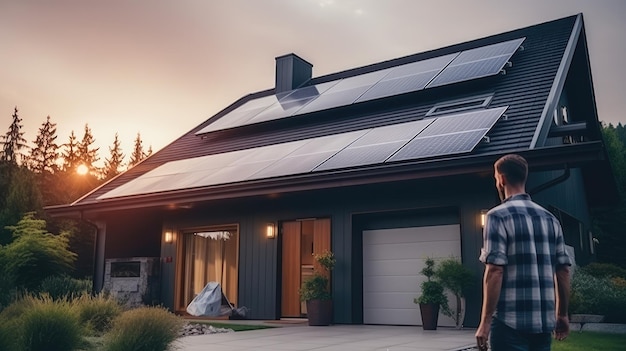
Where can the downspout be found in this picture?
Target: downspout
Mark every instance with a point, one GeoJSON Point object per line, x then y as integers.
{"type": "Point", "coordinates": [551, 183]}
{"type": "Point", "coordinates": [98, 271]}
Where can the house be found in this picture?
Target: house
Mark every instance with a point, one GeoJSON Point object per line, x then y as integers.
{"type": "Point", "coordinates": [385, 164]}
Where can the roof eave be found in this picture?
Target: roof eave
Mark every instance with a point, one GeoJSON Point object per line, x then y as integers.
{"type": "Point", "coordinates": [545, 121]}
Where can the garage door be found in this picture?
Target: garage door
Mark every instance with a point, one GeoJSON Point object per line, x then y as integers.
{"type": "Point", "coordinates": [392, 261]}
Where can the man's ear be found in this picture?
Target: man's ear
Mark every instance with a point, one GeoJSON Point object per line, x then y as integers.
{"type": "Point", "coordinates": [501, 179]}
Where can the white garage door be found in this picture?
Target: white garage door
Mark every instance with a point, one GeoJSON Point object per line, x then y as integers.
{"type": "Point", "coordinates": [392, 261]}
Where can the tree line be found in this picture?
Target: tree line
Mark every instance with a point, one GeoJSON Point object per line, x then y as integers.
{"type": "Point", "coordinates": [32, 177]}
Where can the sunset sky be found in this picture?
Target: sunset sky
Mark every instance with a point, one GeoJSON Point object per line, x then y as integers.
{"type": "Point", "coordinates": [162, 67]}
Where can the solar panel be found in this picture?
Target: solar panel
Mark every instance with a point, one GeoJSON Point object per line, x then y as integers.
{"type": "Point", "coordinates": [288, 105]}
{"type": "Point", "coordinates": [375, 146]}
{"type": "Point", "coordinates": [459, 122]}
{"type": "Point", "coordinates": [345, 92]}
{"type": "Point", "coordinates": [241, 115]}
{"type": "Point", "coordinates": [407, 78]}
{"type": "Point", "coordinates": [477, 63]}
{"type": "Point", "coordinates": [310, 155]}
{"type": "Point", "coordinates": [450, 135]}
{"type": "Point", "coordinates": [438, 145]}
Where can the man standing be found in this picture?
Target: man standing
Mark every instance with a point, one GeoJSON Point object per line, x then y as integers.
{"type": "Point", "coordinates": [526, 280]}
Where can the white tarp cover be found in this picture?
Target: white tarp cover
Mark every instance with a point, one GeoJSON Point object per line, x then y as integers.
{"type": "Point", "coordinates": [209, 302]}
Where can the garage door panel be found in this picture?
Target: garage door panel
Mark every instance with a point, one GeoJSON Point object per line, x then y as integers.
{"type": "Point", "coordinates": [392, 283]}
{"type": "Point", "coordinates": [414, 234]}
{"type": "Point", "coordinates": [392, 267]}
{"type": "Point", "coordinates": [392, 261]}
{"type": "Point", "coordinates": [390, 300]}
{"type": "Point", "coordinates": [392, 316]}
{"type": "Point", "coordinates": [413, 250]}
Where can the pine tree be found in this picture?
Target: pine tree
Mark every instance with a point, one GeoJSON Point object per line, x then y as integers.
{"type": "Point", "coordinates": [13, 141]}
{"type": "Point", "coordinates": [86, 154]}
{"type": "Point", "coordinates": [138, 155]}
{"type": "Point", "coordinates": [44, 155]}
{"type": "Point", "coordinates": [115, 161]}
{"type": "Point", "coordinates": [70, 155]}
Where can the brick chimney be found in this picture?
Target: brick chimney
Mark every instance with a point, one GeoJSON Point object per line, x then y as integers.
{"type": "Point", "coordinates": [291, 72]}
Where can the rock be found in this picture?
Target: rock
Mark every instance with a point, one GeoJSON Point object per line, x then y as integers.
{"type": "Point", "coordinates": [190, 329]}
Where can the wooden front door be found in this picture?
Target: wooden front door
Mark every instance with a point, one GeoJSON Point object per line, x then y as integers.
{"type": "Point", "coordinates": [300, 240]}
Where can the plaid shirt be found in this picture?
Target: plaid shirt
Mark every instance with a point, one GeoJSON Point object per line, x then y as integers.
{"type": "Point", "coordinates": [528, 241]}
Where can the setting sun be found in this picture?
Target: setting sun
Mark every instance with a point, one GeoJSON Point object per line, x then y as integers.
{"type": "Point", "coordinates": [82, 170]}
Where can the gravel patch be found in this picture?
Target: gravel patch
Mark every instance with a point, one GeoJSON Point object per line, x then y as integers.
{"type": "Point", "coordinates": [190, 329]}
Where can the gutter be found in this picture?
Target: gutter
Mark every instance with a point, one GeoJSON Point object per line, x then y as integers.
{"type": "Point", "coordinates": [551, 183]}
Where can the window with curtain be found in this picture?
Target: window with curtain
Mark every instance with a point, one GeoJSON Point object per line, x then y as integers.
{"type": "Point", "coordinates": [210, 255]}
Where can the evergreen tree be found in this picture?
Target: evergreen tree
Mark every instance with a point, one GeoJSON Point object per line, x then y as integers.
{"type": "Point", "coordinates": [13, 141]}
{"type": "Point", "coordinates": [87, 155]}
{"type": "Point", "coordinates": [70, 155]}
{"type": "Point", "coordinates": [44, 155]}
{"type": "Point", "coordinates": [149, 153]}
{"type": "Point", "coordinates": [115, 161]}
{"type": "Point", "coordinates": [609, 223]}
{"type": "Point", "coordinates": [21, 196]}
{"type": "Point", "coordinates": [34, 254]}
{"type": "Point", "coordinates": [138, 155]}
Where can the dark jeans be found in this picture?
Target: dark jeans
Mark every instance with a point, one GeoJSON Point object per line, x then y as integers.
{"type": "Point", "coordinates": [505, 338]}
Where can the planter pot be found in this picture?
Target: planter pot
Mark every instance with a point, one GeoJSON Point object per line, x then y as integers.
{"type": "Point", "coordinates": [319, 312]}
{"type": "Point", "coordinates": [430, 315]}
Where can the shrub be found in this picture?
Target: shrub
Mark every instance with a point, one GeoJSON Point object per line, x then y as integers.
{"type": "Point", "coordinates": [598, 295]}
{"type": "Point", "coordinates": [605, 270]}
{"type": "Point", "coordinates": [144, 329]}
{"type": "Point", "coordinates": [35, 254]}
{"type": "Point", "coordinates": [97, 313]}
{"type": "Point", "coordinates": [48, 325]}
{"type": "Point", "coordinates": [63, 286]}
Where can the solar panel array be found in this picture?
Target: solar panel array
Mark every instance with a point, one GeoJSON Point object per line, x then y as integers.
{"type": "Point", "coordinates": [446, 135]}
{"type": "Point", "coordinates": [443, 70]}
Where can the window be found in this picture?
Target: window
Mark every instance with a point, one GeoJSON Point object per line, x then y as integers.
{"type": "Point", "coordinates": [460, 105]}
{"type": "Point", "coordinates": [209, 254]}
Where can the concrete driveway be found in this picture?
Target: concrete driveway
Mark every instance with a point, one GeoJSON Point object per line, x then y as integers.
{"type": "Point", "coordinates": [333, 338]}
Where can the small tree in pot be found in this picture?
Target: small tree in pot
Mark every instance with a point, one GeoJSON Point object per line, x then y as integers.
{"type": "Point", "coordinates": [458, 279]}
{"type": "Point", "coordinates": [316, 290]}
{"type": "Point", "coordinates": [432, 298]}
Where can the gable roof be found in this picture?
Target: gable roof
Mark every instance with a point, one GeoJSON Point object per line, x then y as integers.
{"type": "Point", "coordinates": [529, 92]}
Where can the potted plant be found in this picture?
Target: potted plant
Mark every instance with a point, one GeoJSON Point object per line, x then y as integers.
{"type": "Point", "coordinates": [432, 298]}
{"type": "Point", "coordinates": [316, 290]}
{"type": "Point", "coordinates": [457, 278]}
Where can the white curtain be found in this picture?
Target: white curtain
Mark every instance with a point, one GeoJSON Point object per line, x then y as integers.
{"type": "Point", "coordinates": [210, 256]}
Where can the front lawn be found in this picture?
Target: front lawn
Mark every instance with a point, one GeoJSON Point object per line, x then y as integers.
{"type": "Point", "coordinates": [590, 341]}
{"type": "Point", "coordinates": [234, 327]}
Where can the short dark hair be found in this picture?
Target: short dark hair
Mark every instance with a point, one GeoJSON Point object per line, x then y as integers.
{"type": "Point", "coordinates": [513, 167]}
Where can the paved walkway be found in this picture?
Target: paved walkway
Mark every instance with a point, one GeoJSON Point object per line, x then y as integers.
{"type": "Point", "coordinates": [333, 338]}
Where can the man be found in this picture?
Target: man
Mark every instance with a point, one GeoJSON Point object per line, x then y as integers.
{"type": "Point", "coordinates": [526, 280]}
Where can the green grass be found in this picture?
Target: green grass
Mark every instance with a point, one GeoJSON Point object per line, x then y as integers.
{"type": "Point", "coordinates": [590, 341]}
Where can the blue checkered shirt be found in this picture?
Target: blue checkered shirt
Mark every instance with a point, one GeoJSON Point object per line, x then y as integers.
{"type": "Point", "coordinates": [527, 241]}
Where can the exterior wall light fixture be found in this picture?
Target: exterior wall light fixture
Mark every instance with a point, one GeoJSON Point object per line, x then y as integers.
{"type": "Point", "coordinates": [169, 237]}
{"type": "Point", "coordinates": [270, 231]}
{"type": "Point", "coordinates": [483, 217]}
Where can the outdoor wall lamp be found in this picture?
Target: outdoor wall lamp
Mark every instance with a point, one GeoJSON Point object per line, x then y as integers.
{"type": "Point", "coordinates": [270, 230]}
{"type": "Point", "coordinates": [169, 237]}
{"type": "Point", "coordinates": [483, 218]}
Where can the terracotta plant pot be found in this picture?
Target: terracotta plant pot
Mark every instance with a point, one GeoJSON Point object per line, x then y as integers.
{"type": "Point", "coordinates": [319, 312]}
{"type": "Point", "coordinates": [430, 315]}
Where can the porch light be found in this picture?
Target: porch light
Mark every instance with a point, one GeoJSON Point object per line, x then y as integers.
{"type": "Point", "coordinates": [270, 231]}
{"type": "Point", "coordinates": [169, 237]}
{"type": "Point", "coordinates": [483, 217]}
